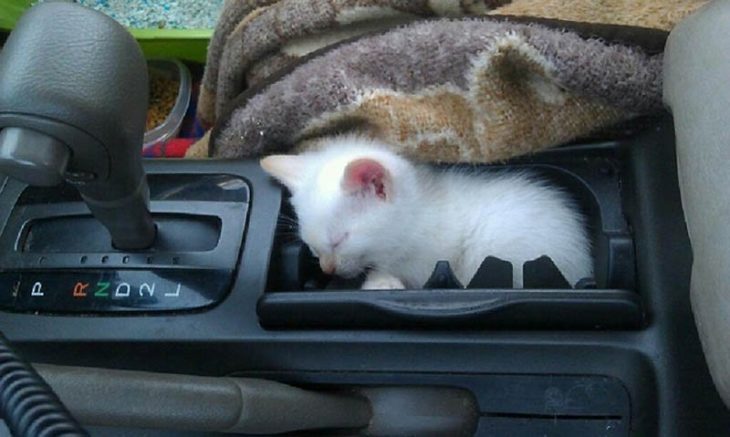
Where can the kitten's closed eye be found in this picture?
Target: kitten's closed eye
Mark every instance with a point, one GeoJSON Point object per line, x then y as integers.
{"type": "Point", "coordinates": [337, 241]}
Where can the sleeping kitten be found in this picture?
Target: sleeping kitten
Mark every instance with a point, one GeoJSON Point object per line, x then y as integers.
{"type": "Point", "coordinates": [363, 208]}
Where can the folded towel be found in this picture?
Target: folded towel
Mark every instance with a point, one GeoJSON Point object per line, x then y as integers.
{"type": "Point", "coordinates": [255, 38]}
{"type": "Point", "coordinates": [282, 74]}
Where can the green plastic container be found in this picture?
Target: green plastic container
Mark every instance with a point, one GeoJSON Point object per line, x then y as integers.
{"type": "Point", "coordinates": [10, 11]}
{"type": "Point", "coordinates": [184, 44]}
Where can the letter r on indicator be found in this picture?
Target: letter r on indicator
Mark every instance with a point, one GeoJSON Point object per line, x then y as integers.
{"type": "Point", "coordinates": [80, 289]}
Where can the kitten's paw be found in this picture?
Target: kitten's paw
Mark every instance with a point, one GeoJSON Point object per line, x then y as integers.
{"type": "Point", "coordinates": [382, 281]}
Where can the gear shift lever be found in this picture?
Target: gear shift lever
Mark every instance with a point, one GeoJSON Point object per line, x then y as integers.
{"type": "Point", "coordinates": [73, 104]}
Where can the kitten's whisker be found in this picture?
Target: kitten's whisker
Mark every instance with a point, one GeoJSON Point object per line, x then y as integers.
{"type": "Point", "coordinates": [287, 232]}
{"type": "Point", "coordinates": [286, 217]}
{"type": "Point", "coordinates": [289, 228]}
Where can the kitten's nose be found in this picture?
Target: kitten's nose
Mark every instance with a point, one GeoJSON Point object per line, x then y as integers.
{"type": "Point", "coordinates": [327, 265]}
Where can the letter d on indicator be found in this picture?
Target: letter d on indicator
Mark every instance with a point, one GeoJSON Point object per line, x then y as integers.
{"type": "Point", "coordinates": [123, 290]}
{"type": "Point", "coordinates": [37, 289]}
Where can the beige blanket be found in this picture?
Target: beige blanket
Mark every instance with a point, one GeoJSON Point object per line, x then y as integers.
{"type": "Point", "coordinates": [283, 73]}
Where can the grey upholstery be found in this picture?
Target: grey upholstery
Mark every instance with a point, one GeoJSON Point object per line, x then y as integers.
{"type": "Point", "coordinates": [131, 399]}
{"type": "Point", "coordinates": [697, 89]}
{"type": "Point", "coordinates": [121, 398]}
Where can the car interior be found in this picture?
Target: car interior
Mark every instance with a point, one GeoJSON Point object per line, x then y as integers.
{"type": "Point", "coordinates": [148, 296]}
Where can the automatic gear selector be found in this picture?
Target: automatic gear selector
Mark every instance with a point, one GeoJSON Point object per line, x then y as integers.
{"type": "Point", "coordinates": [86, 225]}
{"type": "Point", "coordinates": [73, 104]}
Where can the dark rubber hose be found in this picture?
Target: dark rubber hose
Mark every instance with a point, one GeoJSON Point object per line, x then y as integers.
{"type": "Point", "coordinates": [27, 404]}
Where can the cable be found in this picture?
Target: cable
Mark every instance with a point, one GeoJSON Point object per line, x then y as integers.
{"type": "Point", "coordinates": [27, 404]}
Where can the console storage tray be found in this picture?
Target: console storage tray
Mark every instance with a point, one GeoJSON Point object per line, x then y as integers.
{"type": "Point", "coordinates": [300, 296]}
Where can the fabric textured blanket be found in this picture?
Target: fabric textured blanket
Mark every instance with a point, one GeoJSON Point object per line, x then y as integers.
{"type": "Point", "coordinates": [471, 88]}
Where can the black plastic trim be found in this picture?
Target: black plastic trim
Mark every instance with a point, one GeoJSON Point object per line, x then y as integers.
{"type": "Point", "coordinates": [453, 309]}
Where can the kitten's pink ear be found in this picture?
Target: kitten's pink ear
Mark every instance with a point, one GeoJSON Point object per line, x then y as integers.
{"type": "Point", "coordinates": [367, 176]}
{"type": "Point", "coordinates": [287, 169]}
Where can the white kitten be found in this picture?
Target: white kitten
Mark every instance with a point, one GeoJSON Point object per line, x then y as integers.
{"type": "Point", "coordinates": [361, 207]}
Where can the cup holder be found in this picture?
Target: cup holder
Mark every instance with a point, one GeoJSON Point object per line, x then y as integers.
{"type": "Point", "coordinates": [299, 295]}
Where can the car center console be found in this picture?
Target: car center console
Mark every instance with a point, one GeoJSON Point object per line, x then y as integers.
{"type": "Point", "coordinates": [186, 308]}
{"type": "Point", "coordinates": [215, 286]}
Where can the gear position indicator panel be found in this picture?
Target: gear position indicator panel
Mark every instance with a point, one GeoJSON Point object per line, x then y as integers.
{"type": "Point", "coordinates": [107, 291]}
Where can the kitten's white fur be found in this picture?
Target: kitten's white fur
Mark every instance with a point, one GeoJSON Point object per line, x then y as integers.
{"type": "Point", "coordinates": [428, 215]}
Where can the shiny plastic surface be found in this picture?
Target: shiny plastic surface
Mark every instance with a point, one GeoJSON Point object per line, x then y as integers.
{"type": "Point", "coordinates": [56, 259]}
{"type": "Point", "coordinates": [113, 290]}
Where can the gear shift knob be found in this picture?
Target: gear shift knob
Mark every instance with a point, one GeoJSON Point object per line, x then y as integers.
{"type": "Point", "coordinates": [73, 105]}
